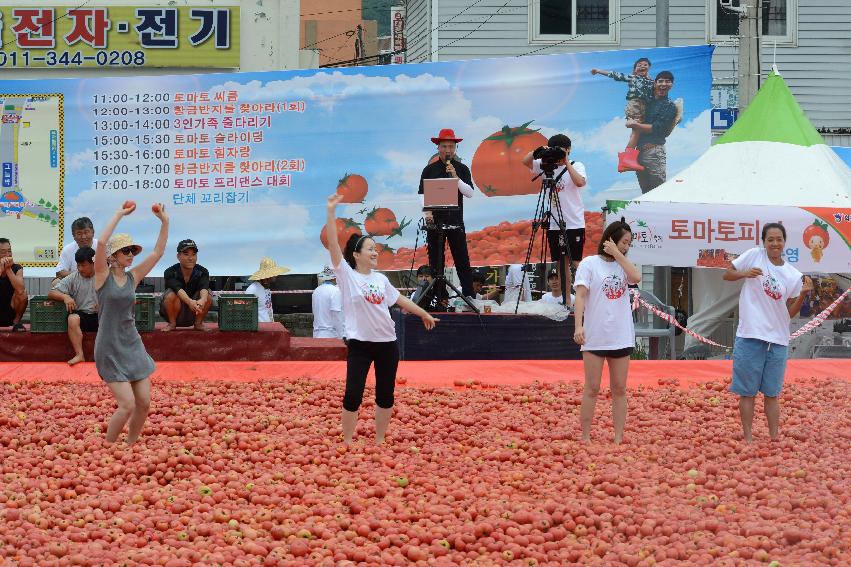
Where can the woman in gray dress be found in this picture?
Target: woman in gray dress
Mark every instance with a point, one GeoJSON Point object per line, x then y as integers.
{"type": "Point", "coordinates": [120, 356]}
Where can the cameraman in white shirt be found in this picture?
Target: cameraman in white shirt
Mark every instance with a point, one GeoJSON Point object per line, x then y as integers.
{"type": "Point", "coordinates": [567, 207]}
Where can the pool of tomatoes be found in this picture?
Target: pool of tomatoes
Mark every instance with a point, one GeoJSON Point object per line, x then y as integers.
{"type": "Point", "coordinates": [255, 474]}
{"type": "Point", "coordinates": [504, 243]}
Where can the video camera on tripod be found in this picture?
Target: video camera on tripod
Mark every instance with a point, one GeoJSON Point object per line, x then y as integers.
{"type": "Point", "coordinates": [550, 158]}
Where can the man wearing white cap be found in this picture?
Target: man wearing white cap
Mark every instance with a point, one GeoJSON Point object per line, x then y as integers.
{"type": "Point", "coordinates": [327, 307]}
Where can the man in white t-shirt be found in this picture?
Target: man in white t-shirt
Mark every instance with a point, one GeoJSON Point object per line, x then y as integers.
{"type": "Point", "coordinates": [566, 207]}
{"type": "Point", "coordinates": [554, 295]}
{"type": "Point", "coordinates": [83, 233]}
{"type": "Point", "coordinates": [327, 307]}
{"type": "Point", "coordinates": [262, 288]}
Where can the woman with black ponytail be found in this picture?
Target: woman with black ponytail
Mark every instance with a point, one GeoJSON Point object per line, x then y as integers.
{"type": "Point", "coordinates": [367, 298]}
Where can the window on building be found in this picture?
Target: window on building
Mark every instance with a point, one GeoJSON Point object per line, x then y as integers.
{"type": "Point", "coordinates": [779, 20]}
{"type": "Point", "coordinates": [581, 21]}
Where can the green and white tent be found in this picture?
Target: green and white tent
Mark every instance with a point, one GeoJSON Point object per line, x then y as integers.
{"type": "Point", "coordinates": [772, 155]}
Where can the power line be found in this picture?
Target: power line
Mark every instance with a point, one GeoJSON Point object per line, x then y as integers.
{"type": "Point", "coordinates": [53, 21]}
{"type": "Point", "coordinates": [432, 30]}
{"type": "Point", "coordinates": [551, 45]}
{"type": "Point", "coordinates": [474, 30]}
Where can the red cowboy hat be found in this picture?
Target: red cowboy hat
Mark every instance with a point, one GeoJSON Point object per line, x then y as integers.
{"type": "Point", "coordinates": [446, 134]}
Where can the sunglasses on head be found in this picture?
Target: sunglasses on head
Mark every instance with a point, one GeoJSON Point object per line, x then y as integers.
{"type": "Point", "coordinates": [127, 250]}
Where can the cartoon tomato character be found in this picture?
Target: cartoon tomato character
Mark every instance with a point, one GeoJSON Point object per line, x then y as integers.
{"type": "Point", "coordinates": [771, 287]}
{"type": "Point", "coordinates": [614, 286]}
{"type": "Point", "coordinates": [816, 238]}
{"type": "Point", "coordinates": [353, 188]}
{"type": "Point", "coordinates": [345, 229]}
{"type": "Point", "coordinates": [498, 168]}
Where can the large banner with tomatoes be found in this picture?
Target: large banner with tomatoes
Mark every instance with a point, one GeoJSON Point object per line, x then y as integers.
{"type": "Point", "coordinates": [818, 239]}
{"type": "Point", "coordinates": [244, 161]}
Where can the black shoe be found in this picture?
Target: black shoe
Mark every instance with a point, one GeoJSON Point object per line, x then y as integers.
{"type": "Point", "coordinates": [18, 328]}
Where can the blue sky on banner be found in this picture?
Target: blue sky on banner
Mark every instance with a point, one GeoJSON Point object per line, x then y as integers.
{"type": "Point", "coordinates": [377, 122]}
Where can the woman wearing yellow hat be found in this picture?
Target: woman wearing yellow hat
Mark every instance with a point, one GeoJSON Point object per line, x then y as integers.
{"type": "Point", "coordinates": [367, 298]}
{"type": "Point", "coordinates": [120, 357]}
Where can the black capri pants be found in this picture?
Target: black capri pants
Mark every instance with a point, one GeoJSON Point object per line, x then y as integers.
{"type": "Point", "coordinates": [360, 357]}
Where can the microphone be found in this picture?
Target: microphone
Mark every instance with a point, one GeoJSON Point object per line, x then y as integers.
{"type": "Point", "coordinates": [447, 162]}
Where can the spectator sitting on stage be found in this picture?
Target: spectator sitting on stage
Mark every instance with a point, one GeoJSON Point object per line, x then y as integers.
{"type": "Point", "coordinates": [77, 292]}
{"type": "Point", "coordinates": [83, 233]}
{"type": "Point", "coordinates": [513, 278]}
{"type": "Point", "coordinates": [554, 295]}
{"type": "Point", "coordinates": [492, 292]}
{"type": "Point", "coordinates": [262, 288]}
{"type": "Point", "coordinates": [13, 294]}
{"type": "Point", "coordinates": [424, 278]}
{"type": "Point", "coordinates": [327, 307]}
{"type": "Point", "coordinates": [187, 298]}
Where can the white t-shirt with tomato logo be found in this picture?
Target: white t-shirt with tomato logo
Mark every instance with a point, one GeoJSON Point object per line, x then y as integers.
{"type": "Point", "coordinates": [608, 313]}
{"type": "Point", "coordinates": [366, 304]}
{"type": "Point", "coordinates": [762, 302]}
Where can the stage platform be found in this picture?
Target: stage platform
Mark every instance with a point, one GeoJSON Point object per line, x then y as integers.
{"type": "Point", "coordinates": [272, 341]}
{"type": "Point", "coordinates": [459, 373]}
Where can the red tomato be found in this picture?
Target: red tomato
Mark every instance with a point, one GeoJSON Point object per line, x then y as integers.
{"type": "Point", "coordinates": [345, 229]}
{"type": "Point", "coordinates": [497, 167]}
{"type": "Point", "coordinates": [353, 188]}
{"type": "Point", "coordinates": [381, 222]}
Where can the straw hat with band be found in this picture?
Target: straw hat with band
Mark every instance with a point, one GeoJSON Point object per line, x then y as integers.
{"type": "Point", "coordinates": [268, 269]}
{"type": "Point", "coordinates": [119, 241]}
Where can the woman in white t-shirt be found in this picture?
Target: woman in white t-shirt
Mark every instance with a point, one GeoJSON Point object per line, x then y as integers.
{"type": "Point", "coordinates": [367, 296]}
{"type": "Point", "coordinates": [773, 292]}
{"type": "Point", "coordinates": [604, 327]}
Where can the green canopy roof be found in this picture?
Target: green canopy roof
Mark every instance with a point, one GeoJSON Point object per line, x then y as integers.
{"type": "Point", "coordinates": [773, 116]}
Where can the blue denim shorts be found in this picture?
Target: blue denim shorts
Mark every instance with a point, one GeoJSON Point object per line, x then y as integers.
{"type": "Point", "coordinates": [758, 366]}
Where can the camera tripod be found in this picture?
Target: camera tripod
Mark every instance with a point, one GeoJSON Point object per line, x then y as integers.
{"type": "Point", "coordinates": [438, 278]}
{"type": "Point", "coordinates": [548, 199]}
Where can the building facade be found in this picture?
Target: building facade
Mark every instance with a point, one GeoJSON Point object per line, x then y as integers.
{"type": "Point", "coordinates": [808, 40]}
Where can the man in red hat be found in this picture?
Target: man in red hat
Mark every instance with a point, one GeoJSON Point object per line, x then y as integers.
{"type": "Point", "coordinates": [452, 221]}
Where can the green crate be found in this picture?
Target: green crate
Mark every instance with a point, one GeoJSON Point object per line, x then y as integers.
{"type": "Point", "coordinates": [238, 312]}
{"type": "Point", "coordinates": [146, 315]}
{"type": "Point", "coordinates": [48, 315]}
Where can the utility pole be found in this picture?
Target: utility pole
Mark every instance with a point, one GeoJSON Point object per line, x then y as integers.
{"type": "Point", "coordinates": [662, 274]}
{"type": "Point", "coordinates": [749, 66]}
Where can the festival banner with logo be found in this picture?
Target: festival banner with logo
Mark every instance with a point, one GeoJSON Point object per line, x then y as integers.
{"type": "Point", "coordinates": [67, 37]}
{"type": "Point", "coordinates": [818, 239]}
{"type": "Point", "coordinates": [245, 161]}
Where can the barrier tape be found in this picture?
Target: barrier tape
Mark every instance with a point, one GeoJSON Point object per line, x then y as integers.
{"type": "Point", "coordinates": [821, 317]}
{"type": "Point", "coordinates": [670, 319]}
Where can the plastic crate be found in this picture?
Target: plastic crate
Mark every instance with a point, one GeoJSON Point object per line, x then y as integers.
{"type": "Point", "coordinates": [48, 315]}
{"type": "Point", "coordinates": [238, 313]}
{"type": "Point", "coordinates": [146, 315]}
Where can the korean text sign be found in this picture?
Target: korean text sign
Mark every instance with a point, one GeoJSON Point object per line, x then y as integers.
{"type": "Point", "coordinates": [818, 239]}
{"type": "Point", "coordinates": [65, 37]}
